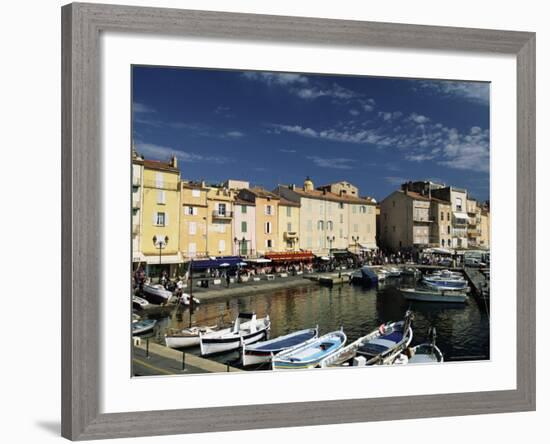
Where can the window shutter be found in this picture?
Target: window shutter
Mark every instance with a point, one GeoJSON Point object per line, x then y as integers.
{"type": "Point", "coordinates": [186, 211]}
{"type": "Point", "coordinates": [165, 219]}
{"type": "Point", "coordinates": [154, 217]}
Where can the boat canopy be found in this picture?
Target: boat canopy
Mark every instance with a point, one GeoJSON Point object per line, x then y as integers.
{"type": "Point", "coordinates": [290, 256]}
{"type": "Point", "coordinates": [222, 261]}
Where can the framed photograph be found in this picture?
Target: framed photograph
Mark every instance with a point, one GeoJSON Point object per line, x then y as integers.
{"type": "Point", "coordinates": [292, 221]}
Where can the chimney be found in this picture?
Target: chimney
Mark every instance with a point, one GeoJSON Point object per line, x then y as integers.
{"type": "Point", "coordinates": [174, 161]}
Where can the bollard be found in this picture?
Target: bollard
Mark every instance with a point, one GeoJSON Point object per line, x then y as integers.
{"type": "Point", "coordinates": [147, 348]}
{"type": "Point", "coordinates": [183, 361]}
{"type": "Point", "coordinates": [227, 368]}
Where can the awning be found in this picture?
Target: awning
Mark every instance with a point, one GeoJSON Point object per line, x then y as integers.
{"type": "Point", "coordinates": [290, 256]}
{"type": "Point", "coordinates": [367, 247]}
{"type": "Point", "coordinates": [459, 215]}
{"type": "Point", "coordinates": [223, 261]}
{"type": "Point", "coordinates": [166, 259]}
{"type": "Point", "coordinates": [438, 251]}
{"type": "Point", "coordinates": [260, 260]}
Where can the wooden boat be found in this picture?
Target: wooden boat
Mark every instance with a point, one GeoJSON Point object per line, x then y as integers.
{"type": "Point", "coordinates": [426, 353]}
{"type": "Point", "coordinates": [228, 339]}
{"type": "Point", "coordinates": [265, 350]}
{"type": "Point", "coordinates": [310, 353]}
{"type": "Point", "coordinates": [380, 346]}
{"type": "Point", "coordinates": [156, 293]}
{"type": "Point", "coordinates": [365, 276]}
{"type": "Point", "coordinates": [140, 303]}
{"type": "Point", "coordinates": [433, 295]}
{"type": "Point", "coordinates": [187, 337]}
{"type": "Point", "coordinates": [144, 326]}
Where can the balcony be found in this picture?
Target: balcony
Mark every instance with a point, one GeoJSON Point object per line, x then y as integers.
{"type": "Point", "coordinates": [216, 214]}
{"type": "Point", "coordinates": [291, 234]}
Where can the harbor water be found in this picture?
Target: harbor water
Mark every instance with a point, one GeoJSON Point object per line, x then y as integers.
{"type": "Point", "coordinates": [462, 329]}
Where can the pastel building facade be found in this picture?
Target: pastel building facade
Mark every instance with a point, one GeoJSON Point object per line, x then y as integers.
{"type": "Point", "coordinates": [219, 224]}
{"type": "Point", "coordinates": [137, 210]}
{"type": "Point", "coordinates": [289, 225]}
{"type": "Point", "coordinates": [193, 219]}
{"type": "Point", "coordinates": [244, 228]}
{"type": "Point", "coordinates": [266, 206]}
{"type": "Point", "coordinates": [330, 221]}
{"type": "Point", "coordinates": [160, 220]}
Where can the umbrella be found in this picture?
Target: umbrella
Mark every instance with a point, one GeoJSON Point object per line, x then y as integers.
{"type": "Point", "coordinates": [225, 264]}
{"type": "Point", "coordinates": [242, 264]}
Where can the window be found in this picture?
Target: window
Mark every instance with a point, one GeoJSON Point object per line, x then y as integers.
{"type": "Point", "coordinates": [341, 218]}
{"type": "Point", "coordinates": [221, 245]}
{"type": "Point", "coordinates": [289, 226]}
{"type": "Point", "coordinates": [244, 227]}
{"type": "Point", "coordinates": [243, 209]}
{"type": "Point", "coordinates": [288, 212]}
{"type": "Point", "coordinates": [196, 193]}
{"type": "Point", "coordinates": [341, 233]}
{"type": "Point", "coordinates": [363, 209]}
{"type": "Point", "coordinates": [458, 204]}
{"type": "Point", "coordinates": [448, 229]}
{"type": "Point", "coordinates": [442, 240]}
{"type": "Point", "coordinates": [442, 216]}
{"type": "Point", "coordinates": [269, 243]}
{"type": "Point", "coordinates": [161, 197]}
{"type": "Point", "coordinates": [191, 211]}
{"type": "Point", "coordinates": [329, 225]}
{"type": "Point", "coordinates": [192, 249]}
{"type": "Point", "coordinates": [354, 209]}
{"type": "Point", "coordinates": [449, 242]}
{"type": "Point", "coordinates": [448, 216]}
{"type": "Point", "coordinates": [159, 180]}
{"type": "Point", "coordinates": [269, 210]}
{"type": "Point", "coordinates": [192, 228]}
{"type": "Point", "coordinates": [341, 205]}
{"type": "Point", "coordinates": [221, 209]}
{"type": "Point", "coordinates": [268, 227]}
{"type": "Point", "coordinates": [355, 228]}
{"type": "Point", "coordinates": [221, 228]}
{"type": "Point", "coordinates": [161, 219]}
{"type": "Point", "coordinates": [320, 225]}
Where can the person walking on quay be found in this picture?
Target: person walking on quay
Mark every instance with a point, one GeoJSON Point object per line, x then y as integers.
{"type": "Point", "coordinates": [227, 279]}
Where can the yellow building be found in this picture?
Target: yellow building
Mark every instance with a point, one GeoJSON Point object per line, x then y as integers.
{"type": "Point", "coordinates": [193, 219]}
{"type": "Point", "coordinates": [267, 226]}
{"type": "Point", "coordinates": [219, 227]}
{"type": "Point", "coordinates": [485, 228]}
{"type": "Point", "coordinates": [137, 203]}
{"type": "Point", "coordinates": [159, 240]}
{"type": "Point", "coordinates": [289, 225]}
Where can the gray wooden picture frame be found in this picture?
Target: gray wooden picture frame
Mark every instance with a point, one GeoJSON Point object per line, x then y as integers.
{"type": "Point", "coordinates": [81, 231]}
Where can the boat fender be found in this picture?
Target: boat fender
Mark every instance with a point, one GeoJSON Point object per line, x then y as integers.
{"type": "Point", "coordinates": [382, 329]}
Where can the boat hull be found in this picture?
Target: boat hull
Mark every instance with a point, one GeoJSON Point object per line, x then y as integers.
{"type": "Point", "coordinates": [156, 295]}
{"type": "Point", "coordinates": [182, 341]}
{"type": "Point", "coordinates": [210, 346]}
{"type": "Point", "coordinates": [436, 296]}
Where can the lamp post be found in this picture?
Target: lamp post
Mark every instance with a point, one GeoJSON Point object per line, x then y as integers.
{"type": "Point", "coordinates": [355, 239]}
{"type": "Point", "coordinates": [330, 239]}
{"type": "Point", "coordinates": [160, 243]}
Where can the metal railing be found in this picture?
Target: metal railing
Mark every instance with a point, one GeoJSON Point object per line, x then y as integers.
{"type": "Point", "coordinates": [222, 214]}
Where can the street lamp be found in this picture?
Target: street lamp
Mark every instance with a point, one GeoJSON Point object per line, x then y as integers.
{"type": "Point", "coordinates": [160, 243]}
{"type": "Point", "coordinates": [355, 239]}
{"type": "Point", "coordinates": [330, 240]}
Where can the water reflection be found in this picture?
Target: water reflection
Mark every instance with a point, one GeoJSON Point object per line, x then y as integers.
{"type": "Point", "coordinates": [462, 329]}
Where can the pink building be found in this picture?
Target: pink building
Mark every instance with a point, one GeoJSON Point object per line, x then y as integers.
{"type": "Point", "coordinates": [244, 228]}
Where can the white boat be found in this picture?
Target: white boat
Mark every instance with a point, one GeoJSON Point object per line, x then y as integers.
{"type": "Point", "coordinates": [382, 274]}
{"type": "Point", "coordinates": [441, 283]}
{"type": "Point", "coordinates": [393, 272]}
{"type": "Point", "coordinates": [310, 353]}
{"type": "Point", "coordinates": [187, 337]}
{"type": "Point", "coordinates": [253, 330]}
{"type": "Point", "coordinates": [156, 293]}
{"type": "Point", "coordinates": [185, 299]}
{"type": "Point", "coordinates": [144, 326]}
{"type": "Point", "coordinates": [433, 295]}
{"type": "Point", "coordinates": [380, 346]}
{"type": "Point", "coordinates": [140, 303]}
{"type": "Point", "coordinates": [265, 350]}
{"type": "Point", "coordinates": [446, 274]}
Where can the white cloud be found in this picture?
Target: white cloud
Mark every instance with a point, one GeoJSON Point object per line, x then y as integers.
{"type": "Point", "coordinates": [234, 134]}
{"type": "Point", "coordinates": [418, 118]}
{"type": "Point", "coordinates": [159, 152]}
{"type": "Point", "coordinates": [389, 116]}
{"type": "Point", "coordinates": [273, 78]}
{"type": "Point", "coordinates": [340, 163]}
{"type": "Point", "coordinates": [419, 157]}
{"type": "Point", "coordinates": [475, 92]}
{"type": "Point", "coordinates": [354, 112]}
{"type": "Point", "coordinates": [284, 150]}
{"type": "Point", "coordinates": [394, 180]}
{"type": "Point", "coordinates": [138, 107]}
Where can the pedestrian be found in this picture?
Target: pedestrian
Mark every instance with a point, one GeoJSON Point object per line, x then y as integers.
{"type": "Point", "coordinates": [227, 279]}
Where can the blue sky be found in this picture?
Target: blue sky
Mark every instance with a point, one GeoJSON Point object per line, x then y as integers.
{"type": "Point", "coordinates": [277, 128]}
